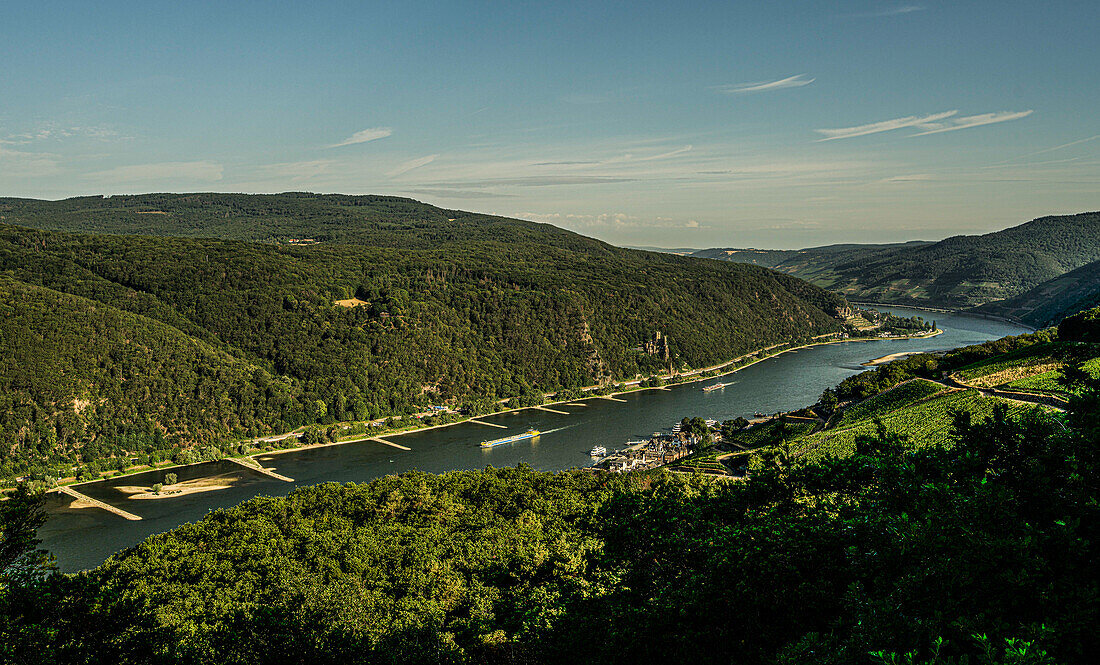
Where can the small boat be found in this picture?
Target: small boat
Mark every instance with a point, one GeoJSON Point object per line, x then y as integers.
{"type": "Point", "coordinates": [529, 434]}
{"type": "Point", "coordinates": [716, 386]}
{"type": "Point", "coordinates": [598, 451]}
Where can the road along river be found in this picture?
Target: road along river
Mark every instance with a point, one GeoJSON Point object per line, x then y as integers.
{"type": "Point", "coordinates": [82, 537]}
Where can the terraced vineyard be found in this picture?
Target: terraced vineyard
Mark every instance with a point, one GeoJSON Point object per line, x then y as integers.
{"type": "Point", "coordinates": [1025, 363]}
{"type": "Point", "coordinates": [767, 433]}
{"type": "Point", "coordinates": [926, 423]}
{"type": "Point", "coordinates": [705, 460]}
{"type": "Point", "coordinates": [890, 400]}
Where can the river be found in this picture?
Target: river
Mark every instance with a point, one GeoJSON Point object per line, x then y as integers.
{"type": "Point", "coordinates": [85, 537]}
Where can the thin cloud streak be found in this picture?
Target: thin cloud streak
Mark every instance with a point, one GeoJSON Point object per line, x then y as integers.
{"type": "Point", "coordinates": [372, 134]}
{"type": "Point", "coordinates": [972, 121]}
{"type": "Point", "coordinates": [891, 11]}
{"type": "Point", "coordinates": [883, 126]}
{"type": "Point", "coordinates": [1064, 145]}
{"type": "Point", "coordinates": [405, 167]}
{"type": "Point", "coordinates": [796, 81]}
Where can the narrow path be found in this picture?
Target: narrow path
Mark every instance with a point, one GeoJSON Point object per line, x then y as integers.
{"type": "Point", "coordinates": [99, 504]}
{"type": "Point", "coordinates": [479, 422]}
{"type": "Point", "coordinates": [258, 468]}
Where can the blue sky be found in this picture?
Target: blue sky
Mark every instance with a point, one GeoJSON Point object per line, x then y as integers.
{"type": "Point", "coordinates": [779, 124]}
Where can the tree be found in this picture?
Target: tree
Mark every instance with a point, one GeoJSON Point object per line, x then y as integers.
{"type": "Point", "coordinates": [20, 517]}
{"type": "Point", "coordinates": [170, 478]}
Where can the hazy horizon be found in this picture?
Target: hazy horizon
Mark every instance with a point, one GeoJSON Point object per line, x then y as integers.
{"type": "Point", "coordinates": [639, 124]}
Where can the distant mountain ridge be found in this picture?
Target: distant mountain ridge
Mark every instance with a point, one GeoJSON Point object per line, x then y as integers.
{"type": "Point", "coordinates": [958, 272]}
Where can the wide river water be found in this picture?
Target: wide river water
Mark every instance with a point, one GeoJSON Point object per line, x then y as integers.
{"type": "Point", "coordinates": [85, 537]}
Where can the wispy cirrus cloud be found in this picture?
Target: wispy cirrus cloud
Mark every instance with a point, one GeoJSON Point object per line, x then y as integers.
{"type": "Point", "coordinates": [796, 81]}
{"type": "Point", "coordinates": [971, 121]}
{"type": "Point", "coordinates": [891, 11]}
{"type": "Point", "coordinates": [405, 167]}
{"type": "Point", "coordinates": [371, 134]}
{"type": "Point", "coordinates": [630, 157]}
{"type": "Point", "coordinates": [882, 126]}
{"type": "Point", "coordinates": [929, 124]}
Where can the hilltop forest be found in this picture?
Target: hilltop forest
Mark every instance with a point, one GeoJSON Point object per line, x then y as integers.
{"type": "Point", "coordinates": [119, 346]}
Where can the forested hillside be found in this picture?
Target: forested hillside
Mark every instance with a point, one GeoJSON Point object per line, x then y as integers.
{"type": "Point", "coordinates": [432, 321]}
{"type": "Point", "coordinates": [980, 547]}
{"type": "Point", "coordinates": [1053, 300]}
{"type": "Point", "coordinates": [962, 271]}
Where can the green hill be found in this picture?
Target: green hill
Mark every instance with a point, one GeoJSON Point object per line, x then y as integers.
{"type": "Point", "coordinates": [960, 272]}
{"type": "Point", "coordinates": [1053, 300]}
{"type": "Point", "coordinates": [434, 318]}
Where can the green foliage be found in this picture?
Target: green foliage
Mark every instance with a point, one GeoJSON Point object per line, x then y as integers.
{"type": "Point", "coordinates": [1081, 327]}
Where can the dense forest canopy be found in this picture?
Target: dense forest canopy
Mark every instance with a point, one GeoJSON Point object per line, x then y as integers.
{"type": "Point", "coordinates": [433, 320]}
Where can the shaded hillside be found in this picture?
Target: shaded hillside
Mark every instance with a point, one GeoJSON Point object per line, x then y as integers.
{"type": "Point", "coordinates": [962, 271]}
{"type": "Point", "coordinates": [1053, 300]}
{"type": "Point", "coordinates": [464, 322]}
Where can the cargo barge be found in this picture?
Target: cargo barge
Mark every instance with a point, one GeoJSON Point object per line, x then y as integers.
{"type": "Point", "coordinates": [529, 434]}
